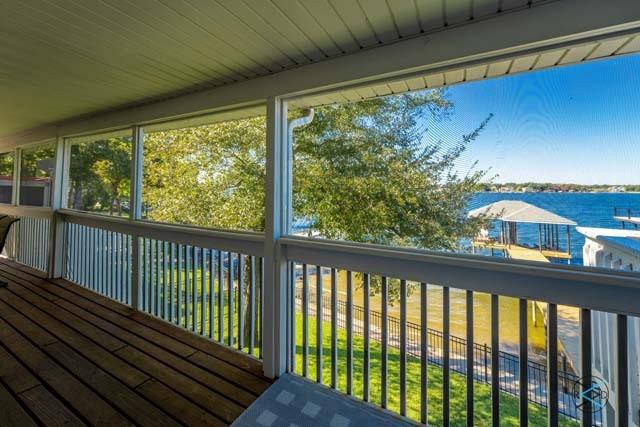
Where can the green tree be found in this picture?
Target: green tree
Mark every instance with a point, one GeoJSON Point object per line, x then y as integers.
{"type": "Point", "coordinates": [363, 172]}
{"type": "Point", "coordinates": [211, 176]}
{"type": "Point", "coordinates": [99, 175]}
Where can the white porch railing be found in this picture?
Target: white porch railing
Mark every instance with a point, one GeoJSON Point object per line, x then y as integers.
{"type": "Point", "coordinates": [212, 283]}
{"type": "Point", "coordinates": [588, 289]}
{"type": "Point", "coordinates": [28, 239]}
{"type": "Point", "coordinates": [206, 281]}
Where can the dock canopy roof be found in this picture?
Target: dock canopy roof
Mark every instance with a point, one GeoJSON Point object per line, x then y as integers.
{"type": "Point", "coordinates": [518, 211]}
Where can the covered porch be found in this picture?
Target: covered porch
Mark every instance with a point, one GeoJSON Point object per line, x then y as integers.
{"type": "Point", "coordinates": [113, 318]}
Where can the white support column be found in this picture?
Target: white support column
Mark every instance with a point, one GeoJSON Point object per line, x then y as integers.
{"type": "Point", "coordinates": [17, 159]}
{"type": "Point", "coordinates": [55, 262]}
{"type": "Point", "coordinates": [135, 211]}
{"type": "Point", "coordinates": [277, 224]}
{"type": "Point", "coordinates": [11, 243]}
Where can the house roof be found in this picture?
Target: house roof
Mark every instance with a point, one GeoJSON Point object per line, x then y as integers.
{"type": "Point", "coordinates": [519, 211]}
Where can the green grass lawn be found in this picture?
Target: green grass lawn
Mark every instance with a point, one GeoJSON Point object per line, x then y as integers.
{"type": "Point", "coordinates": [482, 392]}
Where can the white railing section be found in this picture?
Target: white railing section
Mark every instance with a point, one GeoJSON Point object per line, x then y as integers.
{"type": "Point", "coordinates": [28, 239]}
{"type": "Point", "coordinates": [207, 281]}
{"type": "Point", "coordinates": [98, 259]}
{"type": "Point", "coordinates": [385, 365]}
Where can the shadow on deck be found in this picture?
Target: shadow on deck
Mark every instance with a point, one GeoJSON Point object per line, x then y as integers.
{"type": "Point", "coordinates": [70, 356]}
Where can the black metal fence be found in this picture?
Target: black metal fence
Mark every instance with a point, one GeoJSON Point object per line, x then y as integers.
{"type": "Point", "coordinates": [509, 363]}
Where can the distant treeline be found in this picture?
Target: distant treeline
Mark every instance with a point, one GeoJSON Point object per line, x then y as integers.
{"type": "Point", "coordinates": [553, 187]}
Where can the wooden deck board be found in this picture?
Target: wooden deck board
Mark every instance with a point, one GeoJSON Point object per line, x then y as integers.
{"type": "Point", "coordinates": [71, 356]}
{"type": "Point", "coordinates": [11, 411]}
{"type": "Point", "coordinates": [252, 383]}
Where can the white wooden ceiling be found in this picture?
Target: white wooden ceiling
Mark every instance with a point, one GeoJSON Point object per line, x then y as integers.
{"type": "Point", "coordinates": [66, 58]}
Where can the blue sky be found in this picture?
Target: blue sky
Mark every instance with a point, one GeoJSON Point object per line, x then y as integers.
{"type": "Point", "coordinates": [573, 124]}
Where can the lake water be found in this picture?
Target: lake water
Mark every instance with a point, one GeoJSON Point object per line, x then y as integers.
{"type": "Point", "coordinates": [586, 209]}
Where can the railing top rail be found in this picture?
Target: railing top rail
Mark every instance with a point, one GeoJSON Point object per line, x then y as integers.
{"type": "Point", "coordinates": [598, 289]}
{"type": "Point", "coordinates": [27, 211]}
{"type": "Point", "coordinates": [245, 242]}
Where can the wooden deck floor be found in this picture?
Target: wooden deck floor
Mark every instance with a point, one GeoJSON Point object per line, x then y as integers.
{"type": "Point", "coordinates": [71, 357]}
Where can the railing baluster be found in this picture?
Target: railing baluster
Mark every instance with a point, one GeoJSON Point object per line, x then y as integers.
{"type": "Point", "coordinates": [116, 268]}
{"type": "Point", "coordinates": [158, 265]}
{"type": "Point", "coordinates": [622, 371]}
{"type": "Point", "coordinates": [108, 264]}
{"type": "Point", "coordinates": [143, 274]}
{"type": "Point", "coordinates": [403, 347]}
{"type": "Point", "coordinates": [194, 289]}
{"type": "Point", "coordinates": [523, 364]}
{"type": "Point", "coordinates": [423, 354]}
{"type": "Point", "coordinates": [385, 342]}
{"type": "Point", "coordinates": [261, 305]}
{"type": "Point", "coordinates": [99, 262]}
{"type": "Point", "coordinates": [305, 320]}
{"type": "Point", "coordinates": [104, 268]}
{"type": "Point", "coordinates": [165, 284]}
{"type": "Point", "coordinates": [101, 270]}
{"type": "Point", "coordinates": [470, 358]}
{"type": "Point", "coordinates": [113, 257]}
{"type": "Point", "coordinates": [230, 301]}
{"type": "Point", "coordinates": [334, 328]}
{"type": "Point", "coordinates": [172, 281]}
{"type": "Point", "coordinates": [367, 332]}
{"type": "Point", "coordinates": [125, 274]}
{"type": "Point", "coordinates": [220, 296]}
{"type": "Point", "coordinates": [119, 267]}
{"type": "Point", "coordinates": [585, 364]}
{"type": "Point", "coordinates": [105, 262]}
{"type": "Point", "coordinates": [292, 321]}
{"type": "Point", "coordinates": [130, 272]}
{"type": "Point", "coordinates": [187, 287]}
{"type": "Point", "coordinates": [552, 365]}
{"type": "Point", "coordinates": [212, 291]}
{"type": "Point", "coordinates": [71, 255]}
{"type": "Point", "coordinates": [86, 253]}
{"type": "Point", "coordinates": [152, 276]}
{"type": "Point", "coordinates": [252, 303]}
{"type": "Point", "coordinates": [79, 253]}
{"type": "Point", "coordinates": [179, 284]}
{"type": "Point", "coordinates": [349, 333]}
{"type": "Point", "coordinates": [495, 361]}
{"type": "Point", "coordinates": [446, 329]}
{"type": "Point", "coordinates": [203, 291]}
{"type": "Point", "coordinates": [240, 301]}
{"type": "Point", "coordinates": [319, 319]}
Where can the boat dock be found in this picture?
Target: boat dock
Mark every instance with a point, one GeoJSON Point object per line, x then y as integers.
{"type": "Point", "coordinates": [522, 252]}
{"type": "Point", "coordinates": [510, 213]}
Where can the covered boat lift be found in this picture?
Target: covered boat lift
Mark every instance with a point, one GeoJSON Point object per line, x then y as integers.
{"type": "Point", "coordinates": [510, 213]}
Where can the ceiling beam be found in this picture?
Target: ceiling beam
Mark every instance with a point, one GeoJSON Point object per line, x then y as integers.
{"type": "Point", "coordinates": [547, 25]}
